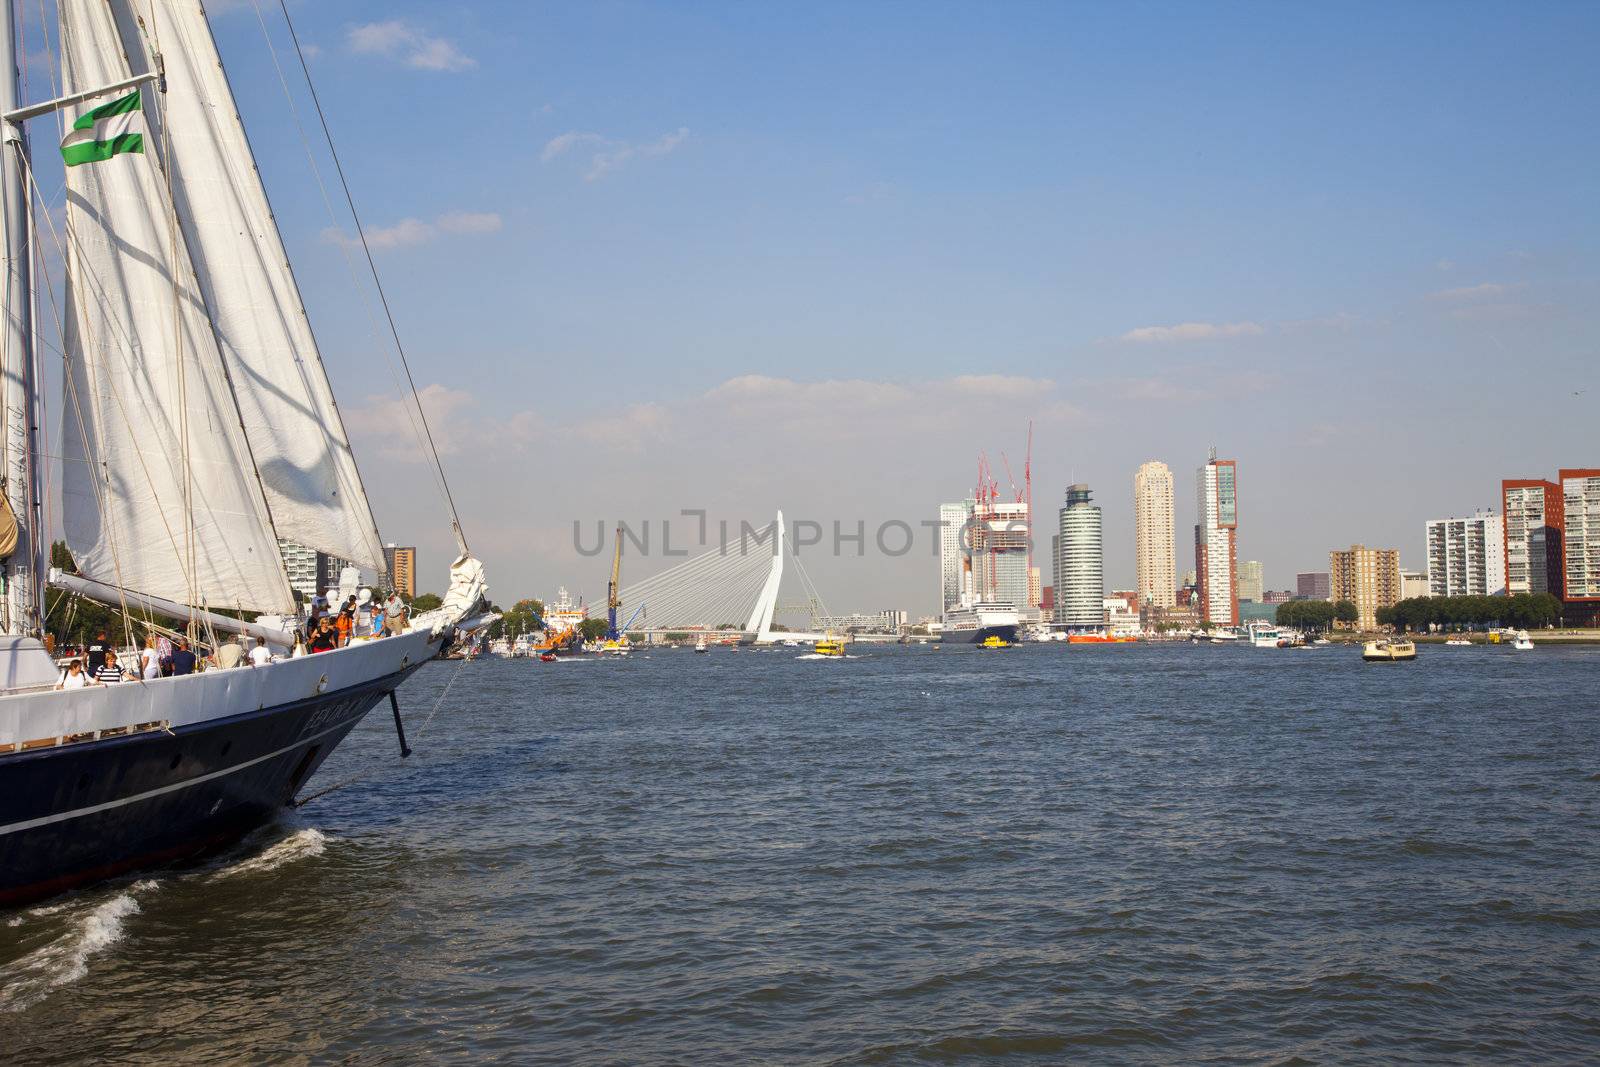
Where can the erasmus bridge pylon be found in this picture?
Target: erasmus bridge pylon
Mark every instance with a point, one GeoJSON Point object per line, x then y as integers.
{"type": "Point", "coordinates": [733, 586]}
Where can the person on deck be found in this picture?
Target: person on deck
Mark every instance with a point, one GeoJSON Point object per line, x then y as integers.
{"type": "Point", "coordinates": [150, 659]}
{"type": "Point", "coordinates": [183, 660]}
{"type": "Point", "coordinates": [229, 654]}
{"type": "Point", "coordinates": [110, 672]}
{"type": "Point", "coordinates": [345, 624]}
{"type": "Point", "coordinates": [299, 645]}
{"type": "Point", "coordinates": [261, 655]}
{"type": "Point", "coordinates": [74, 677]}
{"type": "Point", "coordinates": [325, 639]}
{"type": "Point", "coordinates": [97, 652]}
{"type": "Point", "coordinates": [378, 629]}
{"type": "Point", "coordinates": [394, 613]}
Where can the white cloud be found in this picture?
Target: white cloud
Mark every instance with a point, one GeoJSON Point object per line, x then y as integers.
{"type": "Point", "coordinates": [398, 39]}
{"type": "Point", "coordinates": [557, 146]}
{"type": "Point", "coordinates": [1485, 291]}
{"type": "Point", "coordinates": [410, 231]}
{"type": "Point", "coordinates": [1194, 331]}
{"type": "Point", "coordinates": [611, 154]}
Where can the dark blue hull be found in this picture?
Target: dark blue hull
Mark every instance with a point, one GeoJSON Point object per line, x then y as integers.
{"type": "Point", "coordinates": [83, 812]}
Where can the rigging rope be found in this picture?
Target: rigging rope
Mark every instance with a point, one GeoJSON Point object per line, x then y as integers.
{"type": "Point", "coordinates": [394, 330]}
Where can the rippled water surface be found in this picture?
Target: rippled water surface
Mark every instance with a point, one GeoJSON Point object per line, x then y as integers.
{"type": "Point", "coordinates": [1110, 853]}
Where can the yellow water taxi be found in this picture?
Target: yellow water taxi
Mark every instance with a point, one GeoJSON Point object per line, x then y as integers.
{"type": "Point", "coordinates": [829, 646]}
{"type": "Point", "coordinates": [993, 641]}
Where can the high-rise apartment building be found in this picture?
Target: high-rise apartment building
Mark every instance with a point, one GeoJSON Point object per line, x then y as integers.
{"type": "Point", "coordinates": [953, 547]}
{"type": "Point", "coordinates": [1251, 585]}
{"type": "Point", "coordinates": [1533, 523]}
{"type": "Point", "coordinates": [1154, 566]}
{"type": "Point", "coordinates": [1367, 577]}
{"type": "Point", "coordinates": [1580, 544]}
{"type": "Point", "coordinates": [300, 563]}
{"type": "Point", "coordinates": [1215, 540]}
{"type": "Point", "coordinates": [1080, 587]}
{"type": "Point", "coordinates": [1311, 585]}
{"type": "Point", "coordinates": [402, 564]}
{"type": "Point", "coordinates": [1466, 557]}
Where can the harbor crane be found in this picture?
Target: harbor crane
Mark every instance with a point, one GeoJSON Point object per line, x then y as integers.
{"type": "Point", "coordinates": [614, 589]}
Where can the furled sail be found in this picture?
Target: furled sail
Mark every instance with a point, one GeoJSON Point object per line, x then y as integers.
{"type": "Point", "coordinates": [159, 491]}
{"type": "Point", "coordinates": [301, 451]}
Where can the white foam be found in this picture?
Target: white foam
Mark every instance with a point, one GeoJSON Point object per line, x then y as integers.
{"type": "Point", "coordinates": [302, 844]}
{"type": "Point", "coordinates": [66, 959]}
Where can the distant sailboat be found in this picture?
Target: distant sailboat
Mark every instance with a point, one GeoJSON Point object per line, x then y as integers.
{"type": "Point", "coordinates": [199, 428]}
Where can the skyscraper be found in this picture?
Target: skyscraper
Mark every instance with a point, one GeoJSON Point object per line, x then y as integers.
{"type": "Point", "coordinates": [1367, 577]}
{"type": "Point", "coordinates": [953, 546]}
{"type": "Point", "coordinates": [1466, 557]}
{"type": "Point", "coordinates": [1533, 522]}
{"type": "Point", "coordinates": [1000, 553]}
{"type": "Point", "coordinates": [1152, 535]}
{"type": "Point", "coordinates": [1080, 586]}
{"type": "Point", "coordinates": [1251, 585]}
{"type": "Point", "coordinates": [1215, 540]}
{"type": "Point", "coordinates": [402, 564]}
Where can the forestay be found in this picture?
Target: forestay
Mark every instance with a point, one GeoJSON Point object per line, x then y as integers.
{"type": "Point", "coordinates": [145, 375]}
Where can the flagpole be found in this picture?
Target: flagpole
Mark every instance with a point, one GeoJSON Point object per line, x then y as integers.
{"type": "Point", "coordinates": [19, 115]}
{"type": "Point", "coordinates": [21, 614]}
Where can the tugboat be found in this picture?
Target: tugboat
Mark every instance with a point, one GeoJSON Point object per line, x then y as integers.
{"type": "Point", "coordinates": [1389, 650]}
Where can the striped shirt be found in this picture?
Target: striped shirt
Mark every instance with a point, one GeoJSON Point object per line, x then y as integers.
{"type": "Point", "coordinates": [107, 674]}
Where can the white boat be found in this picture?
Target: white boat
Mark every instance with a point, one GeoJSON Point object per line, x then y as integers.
{"type": "Point", "coordinates": [199, 430]}
{"type": "Point", "coordinates": [1460, 640]}
{"type": "Point", "coordinates": [700, 646]}
{"type": "Point", "coordinates": [1263, 636]}
{"type": "Point", "coordinates": [1522, 643]}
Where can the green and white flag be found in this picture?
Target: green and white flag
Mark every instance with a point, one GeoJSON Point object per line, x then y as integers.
{"type": "Point", "coordinates": [106, 131]}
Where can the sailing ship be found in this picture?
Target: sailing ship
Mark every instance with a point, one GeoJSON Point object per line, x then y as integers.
{"type": "Point", "coordinates": [198, 429]}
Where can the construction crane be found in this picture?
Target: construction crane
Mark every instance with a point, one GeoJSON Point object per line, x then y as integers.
{"type": "Point", "coordinates": [613, 594]}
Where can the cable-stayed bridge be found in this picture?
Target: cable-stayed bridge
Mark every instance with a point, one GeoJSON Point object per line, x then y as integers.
{"type": "Point", "coordinates": [732, 588]}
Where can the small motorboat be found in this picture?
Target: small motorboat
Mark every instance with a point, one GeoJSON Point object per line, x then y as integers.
{"type": "Point", "coordinates": [701, 646]}
{"type": "Point", "coordinates": [1388, 651]}
{"type": "Point", "coordinates": [994, 641]}
{"type": "Point", "coordinates": [547, 657]}
{"type": "Point", "coordinates": [1458, 640]}
{"type": "Point", "coordinates": [1523, 642]}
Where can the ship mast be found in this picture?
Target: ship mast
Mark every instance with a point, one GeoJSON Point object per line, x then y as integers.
{"type": "Point", "coordinates": [19, 611]}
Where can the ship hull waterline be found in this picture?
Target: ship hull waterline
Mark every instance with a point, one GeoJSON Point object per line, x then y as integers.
{"type": "Point", "coordinates": [977, 635]}
{"type": "Point", "coordinates": [85, 812]}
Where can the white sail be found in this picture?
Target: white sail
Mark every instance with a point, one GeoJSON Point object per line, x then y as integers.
{"type": "Point", "coordinates": [287, 407]}
{"type": "Point", "coordinates": [159, 492]}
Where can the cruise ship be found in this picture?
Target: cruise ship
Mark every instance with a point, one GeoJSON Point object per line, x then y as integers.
{"type": "Point", "coordinates": [969, 624]}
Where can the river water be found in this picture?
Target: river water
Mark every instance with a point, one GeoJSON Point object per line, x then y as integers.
{"type": "Point", "coordinates": [1113, 853]}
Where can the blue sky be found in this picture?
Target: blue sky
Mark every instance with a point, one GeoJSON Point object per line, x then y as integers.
{"type": "Point", "coordinates": [648, 257]}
